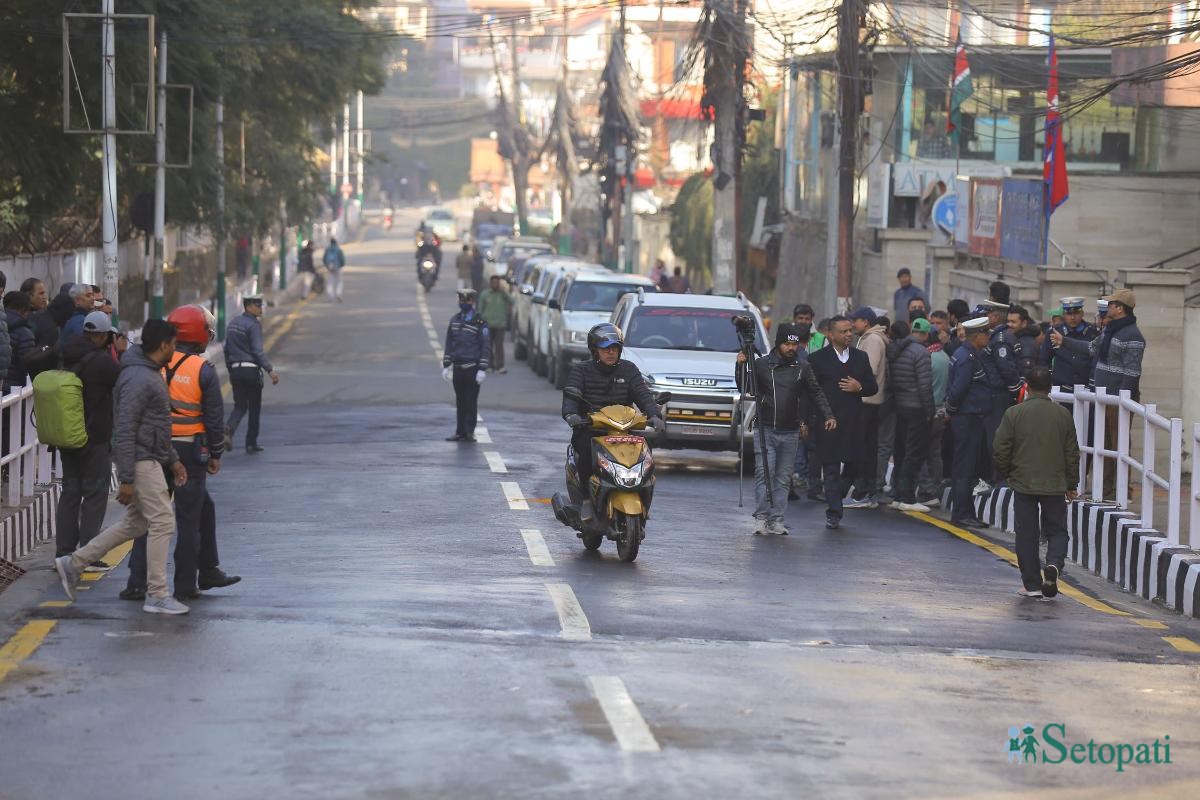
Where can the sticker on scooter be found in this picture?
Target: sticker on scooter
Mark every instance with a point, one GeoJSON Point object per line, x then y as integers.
{"type": "Point", "coordinates": [624, 440]}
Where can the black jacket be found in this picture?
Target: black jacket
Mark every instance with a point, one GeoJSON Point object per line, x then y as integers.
{"type": "Point", "coordinates": [1069, 367]}
{"type": "Point", "coordinates": [1027, 349]}
{"type": "Point", "coordinates": [788, 392]}
{"type": "Point", "coordinates": [468, 342]}
{"type": "Point", "coordinates": [45, 329]}
{"type": "Point", "coordinates": [98, 372]}
{"type": "Point", "coordinates": [911, 376]}
{"type": "Point", "coordinates": [847, 444]}
{"type": "Point", "coordinates": [619, 385]}
{"type": "Point", "coordinates": [21, 340]}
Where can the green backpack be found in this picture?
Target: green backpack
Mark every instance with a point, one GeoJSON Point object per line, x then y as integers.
{"type": "Point", "coordinates": [58, 409]}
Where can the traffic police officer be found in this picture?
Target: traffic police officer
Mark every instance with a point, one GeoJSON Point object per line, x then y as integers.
{"type": "Point", "coordinates": [969, 402]}
{"type": "Point", "coordinates": [1068, 367]}
{"type": "Point", "coordinates": [1001, 359]}
{"type": "Point", "coordinates": [465, 363]}
{"type": "Point", "coordinates": [246, 362]}
{"type": "Point", "coordinates": [197, 433]}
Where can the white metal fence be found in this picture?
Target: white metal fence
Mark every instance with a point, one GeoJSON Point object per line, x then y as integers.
{"type": "Point", "coordinates": [1092, 411]}
{"type": "Point", "coordinates": [25, 460]}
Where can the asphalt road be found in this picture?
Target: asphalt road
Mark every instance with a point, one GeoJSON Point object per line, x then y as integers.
{"type": "Point", "coordinates": [406, 629]}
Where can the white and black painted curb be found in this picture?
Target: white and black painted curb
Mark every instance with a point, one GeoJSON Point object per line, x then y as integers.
{"type": "Point", "coordinates": [1112, 542]}
{"type": "Point", "coordinates": [30, 525]}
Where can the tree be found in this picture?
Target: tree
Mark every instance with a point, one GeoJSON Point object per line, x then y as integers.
{"type": "Point", "coordinates": [691, 226]}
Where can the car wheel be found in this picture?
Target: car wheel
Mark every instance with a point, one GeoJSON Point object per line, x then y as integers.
{"type": "Point", "coordinates": [552, 370]}
{"type": "Point", "coordinates": [539, 363]}
{"type": "Point", "coordinates": [560, 372]}
{"type": "Point", "coordinates": [520, 353]}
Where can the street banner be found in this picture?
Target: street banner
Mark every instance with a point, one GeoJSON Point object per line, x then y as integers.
{"type": "Point", "coordinates": [1022, 217]}
{"type": "Point", "coordinates": [985, 216]}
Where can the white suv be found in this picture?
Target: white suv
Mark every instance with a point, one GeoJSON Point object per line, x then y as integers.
{"type": "Point", "coordinates": [686, 344]}
{"type": "Point", "coordinates": [583, 300]}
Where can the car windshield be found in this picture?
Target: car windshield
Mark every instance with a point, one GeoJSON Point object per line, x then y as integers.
{"type": "Point", "coordinates": [510, 250]}
{"type": "Point", "coordinates": [685, 329]}
{"type": "Point", "coordinates": [588, 296]}
{"type": "Point", "coordinates": [441, 215]}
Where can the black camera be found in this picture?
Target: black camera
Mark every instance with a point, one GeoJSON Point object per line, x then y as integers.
{"type": "Point", "coordinates": [747, 330]}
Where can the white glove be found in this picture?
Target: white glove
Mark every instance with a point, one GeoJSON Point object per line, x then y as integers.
{"type": "Point", "coordinates": [448, 374]}
{"type": "Point", "coordinates": [480, 375]}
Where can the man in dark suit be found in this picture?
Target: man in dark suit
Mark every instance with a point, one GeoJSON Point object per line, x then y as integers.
{"type": "Point", "coordinates": [846, 377]}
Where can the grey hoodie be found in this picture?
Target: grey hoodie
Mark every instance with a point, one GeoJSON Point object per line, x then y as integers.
{"type": "Point", "coordinates": [142, 411]}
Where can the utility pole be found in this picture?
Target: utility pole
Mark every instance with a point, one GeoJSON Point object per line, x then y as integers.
{"type": "Point", "coordinates": [108, 211]}
{"type": "Point", "coordinates": [333, 156]}
{"type": "Point", "coordinates": [520, 159]}
{"type": "Point", "coordinates": [346, 154]}
{"type": "Point", "coordinates": [848, 98]}
{"type": "Point", "coordinates": [160, 183]}
{"type": "Point", "coordinates": [627, 244]}
{"type": "Point", "coordinates": [566, 145]}
{"type": "Point", "coordinates": [727, 77]}
{"type": "Point", "coordinates": [361, 166]}
{"type": "Point", "coordinates": [219, 145]}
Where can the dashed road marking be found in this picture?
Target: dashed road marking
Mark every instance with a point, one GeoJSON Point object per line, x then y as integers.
{"type": "Point", "coordinates": [516, 499]}
{"type": "Point", "coordinates": [495, 462]}
{"type": "Point", "coordinates": [1151, 623]}
{"type": "Point", "coordinates": [539, 554]}
{"type": "Point", "coordinates": [1182, 644]}
{"type": "Point", "coordinates": [482, 435]}
{"type": "Point", "coordinates": [571, 619]}
{"type": "Point", "coordinates": [628, 725]}
{"type": "Point", "coordinates": [55, 604]}
{"type": "Point", "coordinates": [23, 644]}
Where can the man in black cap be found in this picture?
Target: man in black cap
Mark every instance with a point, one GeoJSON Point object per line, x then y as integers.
{"type": "Point", "coordinates": [787, 395]}
{"type": "Point", "coordinates": [246, 361]}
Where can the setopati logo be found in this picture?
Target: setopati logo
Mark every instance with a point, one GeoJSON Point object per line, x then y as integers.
{"type": "Point", "coordinates": [1054, 747]}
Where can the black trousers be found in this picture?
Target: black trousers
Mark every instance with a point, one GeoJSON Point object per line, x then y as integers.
{"type": "Point", "coordinates": [1033, 515]}
{"type": "Point", "coordinates": [867, 471]}
{"type": "Point", "coordinates": [466, 398]}
{"type": "Point", "coordinates": [913, 433]}
{"type": "Point", "coordinates": [836, 479]}
{"type": "Point", "coordinates": [85, 484]}
{"type": "Point", "coordinates": [247, 385]}
{"type": "Point", "coordinates": [991, 423]}
{"type": "Point", "coordinates": [195, 530]}
{"type": "Point", "coordinates": [968, 447]}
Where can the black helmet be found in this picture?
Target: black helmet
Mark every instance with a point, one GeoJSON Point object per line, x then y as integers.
{"type": "Point", "coordinates": [605, 335]}
{"type": "Point", "coordinates": [466, 295]}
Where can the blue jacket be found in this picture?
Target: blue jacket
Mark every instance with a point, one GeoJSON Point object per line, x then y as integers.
{"type": "Point", "coordinates": [244, 343]}
{"type": "Point", "coordinates": [1001, 362]}
{"type": "Point", "coordinates": [21, 342]}
{"type": "Point", "coordinates": [333, 258]}
{"type": "Point", "coordinates": [468, 341]}
{"type": "Point", "coordinates": [73, 326]}
{"type": "Point", "coordinates": [969, 392]}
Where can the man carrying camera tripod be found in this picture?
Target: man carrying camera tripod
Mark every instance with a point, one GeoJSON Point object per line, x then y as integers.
{"type": "Point", "coordinates": [786, 395]}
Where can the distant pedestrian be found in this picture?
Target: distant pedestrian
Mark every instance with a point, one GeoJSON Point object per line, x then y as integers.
{"type": "Point", "coordinates": [246, 362]}
{"type": "Point", "coordinates": [968, 402]}
{"type": "Point", "coordinates": [679, 283]}
{"type": "Point", "coordinates": [144, 459]}
{"type": "Point", "coordinates": [659, 274]}
{"type": "Point", "coordinates": [1117, 354]}
{"type": "Point", "coordinates": [334, 260]}
{"type": "Point", "coordinates": [929, 486]}
{"type": "Point", "coordinates": [872, 342]}
{"type": "Point", "coordinates": [462, 268]}
{"type": "Point", "coordinates": [81, 297]}
{"type": "Point", "coordinates": [1037, 453]}
{"type": "Point", "coordinates": [476, 269]}
{"type": "Point", "coordinates": [21, 340]}
{"type": "Point", "coordinates": [845, 376]}
{"type": "Point", "coordinates": [495, 306]}
{"type": "Point", "coordinates": [911, 378]}
{"type": "Point", "coordinates": [788, 395]}
{"type": "Point", "coordinates": [465, 363]}
{"type": "Point", "coordinates": [45, 330]}
{"type": "Point", "coordinates": [306, 266]}
{"type": "Point", "coordinates": [87, 470]}
{"type": "Point", "coordinates": [904, 294]}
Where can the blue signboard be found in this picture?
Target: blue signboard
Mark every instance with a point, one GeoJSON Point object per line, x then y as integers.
{"type": "Point", "coordinates": [945, 214]}
{"type": "Point", "coordinates": [1022, 221]}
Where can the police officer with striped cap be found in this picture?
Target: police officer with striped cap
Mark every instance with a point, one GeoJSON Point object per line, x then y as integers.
{"type": "Point", "coordinates": [1069, 368]}
{"type": "Point", "coordinates": [1001, 360]}
{"type": "Point", "coordinates": [246, 361]}
{"type": "Point", "coordinates": [968, 402]}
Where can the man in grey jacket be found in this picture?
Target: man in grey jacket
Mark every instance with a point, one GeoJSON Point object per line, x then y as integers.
{"type": "Point", "coordinates": [911, 379]}
{"type": "Point", "coordinates": [246, 361]}
{"type": "Point", "coordinates": [144, 455]}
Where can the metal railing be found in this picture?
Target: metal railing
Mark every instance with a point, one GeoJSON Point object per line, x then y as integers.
{"type": "Point", "coordinates": [1194, 512]}
{"type": "Point", "coordinates": [26, 460]}
{"type": "Point", "coordinates": [1089, 411]}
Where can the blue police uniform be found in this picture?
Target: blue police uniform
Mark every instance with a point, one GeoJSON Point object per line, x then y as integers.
{"type": "Point", "coordinates": [1069, 368]}
{"type": "Point", "coordinates": [969, 401]}
{"type": "Point", "coordinates": [1001, 364]}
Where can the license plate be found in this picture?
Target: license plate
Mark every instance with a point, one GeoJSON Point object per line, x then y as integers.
{"type": "Point", "coordinates": [701, 430]}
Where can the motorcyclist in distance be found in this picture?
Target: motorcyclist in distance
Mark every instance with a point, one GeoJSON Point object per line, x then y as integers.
{"type": "Point", "coordinates": [603, 380]}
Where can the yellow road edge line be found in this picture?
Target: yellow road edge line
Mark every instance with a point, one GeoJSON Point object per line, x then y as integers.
{"type": "Point", "coordinates": [1011, 557]}
{"type": "Point", "coordinates": [23, 643]}
{"type": "Point", "coordinates": [1182, 644]}
{"type": "Point", "coordinates": [1151, 623]}
{"type": "Point", "coordinates": [112, 559]}
{"type": "Point", "coordinates": [55, 604]}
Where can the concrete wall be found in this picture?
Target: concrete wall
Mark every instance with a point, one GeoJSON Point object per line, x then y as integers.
{"type": "Point", "coordinates": [803, 273]}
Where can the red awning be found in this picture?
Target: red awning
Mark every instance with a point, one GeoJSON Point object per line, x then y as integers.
{"type": "Point", "coordinates": [671, 108]}
{"type": "Point", "coordinates": [644, 178]}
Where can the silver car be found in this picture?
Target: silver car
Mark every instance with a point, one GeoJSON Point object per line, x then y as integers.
{"type": "Point", "coordinates": [523, 305]}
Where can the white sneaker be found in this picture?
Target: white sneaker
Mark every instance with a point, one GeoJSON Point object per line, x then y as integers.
{"type": "Point", "coordinates": [921, 507]}
{"type": "Point", "coordinates": [761, 526]}
{"type": "Point", "coordinates": [778, 528]}
{"type": "Point", "coordinates": [164, 605]}
{"type": "Point", "coordinates": [896, 504]}
{"type": "Point", "coordinates": [864, 503]}
{"type": "Point", "coordinates": [1036, 594]}
{"type": "Point", "coordinates": [66, 574]}
{"type": "Point", "coordinates": [983, 487]}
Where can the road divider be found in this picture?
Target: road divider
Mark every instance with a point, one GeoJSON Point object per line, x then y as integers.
{"type": "Point", "coordinates": [539, 554]}
{"type": "Point", "coordinates": [572, 620]}
{"type": "Point", "coordinates": [495, 462]}
{"type": "Point", "coordinates": [628, 726]}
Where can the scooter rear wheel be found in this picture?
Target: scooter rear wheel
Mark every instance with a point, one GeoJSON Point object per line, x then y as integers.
{"type": "Point", "coordinates": [592, 541]}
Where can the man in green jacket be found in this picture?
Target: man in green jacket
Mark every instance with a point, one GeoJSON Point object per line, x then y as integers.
{"type": "Point", "coordinates": [495, 305]}
{"type": "Point", "coordinates": [1037, 452]}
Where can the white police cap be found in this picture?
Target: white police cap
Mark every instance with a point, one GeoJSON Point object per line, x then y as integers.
{"type": "Point", "coordinates": [1071, 303]}
{"type": "Point", "coordinates": [976, 324]}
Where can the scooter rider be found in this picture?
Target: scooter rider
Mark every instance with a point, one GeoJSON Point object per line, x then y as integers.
{"type": "Point", "coordinates": [604, 380]}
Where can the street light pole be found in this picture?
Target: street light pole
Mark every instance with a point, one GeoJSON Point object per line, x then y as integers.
{"type": "Point", "coordinates": [361, 166]}
{"type": "Point", "coordinates": [220, 148]}
{"type": "Point", "coordinates": [160, 182]}
{"type": "Point", "coordinates": [108, 211]}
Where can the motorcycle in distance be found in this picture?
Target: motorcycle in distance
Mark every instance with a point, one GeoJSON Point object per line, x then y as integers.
{"type": "Point", "coordinates": [427, 272]}
{"type": "Point", "coordinates": [429, 258]}
{"type": "Point", "coordinates": [622, 484]}
{"type": "Point", "coordinates": [387, 219]}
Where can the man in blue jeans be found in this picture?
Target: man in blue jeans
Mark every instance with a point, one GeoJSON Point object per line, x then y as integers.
{"type": "Point", "coordinates": [787, 393]}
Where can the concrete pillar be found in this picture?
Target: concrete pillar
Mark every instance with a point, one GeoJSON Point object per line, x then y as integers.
{"type": "Point", "coordinates": [1160, 314]}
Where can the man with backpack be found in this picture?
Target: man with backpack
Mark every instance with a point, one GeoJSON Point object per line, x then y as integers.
{"type": "Point", "coordinates": [145, 462]}
{"type": "Point", "coordinates": [198, 436]}
{"type": "Point", "coordinates": [87, 469]}
{"type": "Point", "coordinates": [334, 259]}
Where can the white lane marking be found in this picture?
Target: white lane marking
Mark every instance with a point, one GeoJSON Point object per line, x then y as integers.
{"type": "Point", "coordinates": [627, 723]}
{"type": "Point", "coordinates": [539, 554]}
{"type": "Point", "coordinates": [494, 460]}
{"type": "Point", "coordinates": [512, 492]}
{"type": "Point", "coordinates": [571, 618]}
{"type": "Point", "coordinates": [482, 435]}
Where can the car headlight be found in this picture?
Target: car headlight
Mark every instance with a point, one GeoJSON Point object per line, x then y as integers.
{"type": "Point", "coordinates": [627, 477]}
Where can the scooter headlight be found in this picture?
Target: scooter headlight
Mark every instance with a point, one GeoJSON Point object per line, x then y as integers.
{"type": "Point", "coordinates": [626, 477]}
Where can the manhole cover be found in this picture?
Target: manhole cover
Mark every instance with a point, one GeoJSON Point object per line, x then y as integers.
{"type": "Point", "coordinates": [9, 572]}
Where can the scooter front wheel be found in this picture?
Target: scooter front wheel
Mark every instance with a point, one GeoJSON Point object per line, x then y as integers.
{"type": "Point", "coordinates": [629, 536]}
